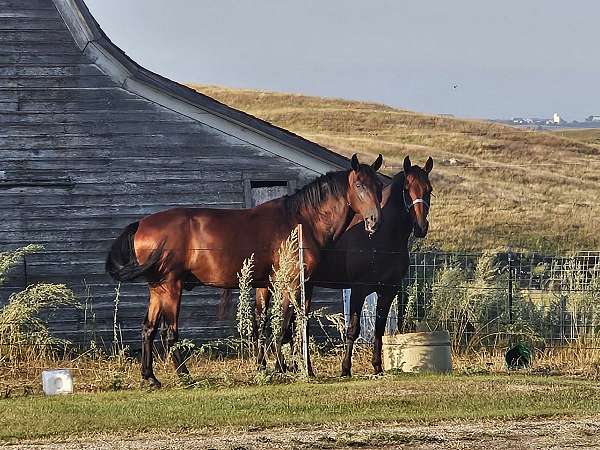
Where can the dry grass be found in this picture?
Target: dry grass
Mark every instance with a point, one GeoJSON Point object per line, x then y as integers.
{"type": "Point", "coordinates": [101, 373]}
{"type": "Point", "coordinates": [94, 372]}
{"type": "Point", "coordinates": [576, 360]}
{"type": "Point", "coordinates": [589, 136]}
{"type": "Point", "coordinates": [495, 185]}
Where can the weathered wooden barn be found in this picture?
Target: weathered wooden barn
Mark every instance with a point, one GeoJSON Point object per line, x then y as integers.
{"type": "Point", "coordinates": [91, 141]}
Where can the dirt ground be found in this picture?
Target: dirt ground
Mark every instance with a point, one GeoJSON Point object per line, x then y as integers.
{"type": "Point", "coordinates": [557, 433]}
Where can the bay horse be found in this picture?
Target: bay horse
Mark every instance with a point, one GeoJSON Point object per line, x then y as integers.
{"type": "Point", "coordinates": [366, 263]}
{"type": "Point", "coordinates": [181, 248]}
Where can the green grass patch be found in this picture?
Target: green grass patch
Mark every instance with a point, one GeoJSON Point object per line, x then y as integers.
{"type": "Point", "coordinates": [424, 398]}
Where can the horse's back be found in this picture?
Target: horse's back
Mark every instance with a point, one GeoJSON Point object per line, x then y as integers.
{"type": "Point", "coordinates": [211, 244]}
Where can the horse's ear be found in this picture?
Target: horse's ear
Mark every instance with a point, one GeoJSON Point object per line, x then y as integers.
{"type": "Point", "coordinates": [355, 163]}
{"type": "Point", "coordinates": [429, 165]}
{"type": "Point", "coordinates": [377, 164]}
{"type": "Point", "coordinates": [407, 164]}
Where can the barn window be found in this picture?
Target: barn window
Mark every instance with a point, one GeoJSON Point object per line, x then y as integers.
{"type": "Point", "coordinates": [261, 191]}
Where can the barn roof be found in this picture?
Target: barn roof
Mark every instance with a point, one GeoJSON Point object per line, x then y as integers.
{"type": "Point", "coordinates": [96, 45]}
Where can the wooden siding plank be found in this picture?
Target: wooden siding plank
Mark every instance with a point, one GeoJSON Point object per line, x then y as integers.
{"type": "Point", "coordinates": [201, 182]}
{"type": "Point", "coordinates": [34, 36]}
{"type": "Point", "coordinates": [46, 48]}
{"type": "Point", "coordinates": [147, 140]}
{"type": "Point", "coordinates": [116, 177]}
{"type": "Point", "coordinates": [131, 152]}
{"type": "Point", "coordinates": [187, 137]}
{"type": "Point", "coordinates": [23, 237]}
{"type": "Point", "coordinates": [99, 104]}
{"type": "Point", "coordinates": [11, 71]}
{"type": "Point", "coordinates": [28, 213]}
{"type": "Point", "coordinates": [26, 4]}
{"type": "Point", "coordinates": [91, 117]}
{"type": "Point", "coordinates": [97, 81]}
{"type": "Point", "coordinates": [97, 201]}
{"type": "Point", "coordinates": [98, 128]}
{"type": "Point", "coordinates": [25, 13]}
{"type": "Point", "coordinates": [118, 164]}
{"type": "Point", "coordinates": [25, 24]}
{"type": "Point", "coordinates": [42, 58]}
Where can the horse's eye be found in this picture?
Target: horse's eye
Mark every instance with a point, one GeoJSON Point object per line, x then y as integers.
{"type": "Point", "coordinates": [358, 185]}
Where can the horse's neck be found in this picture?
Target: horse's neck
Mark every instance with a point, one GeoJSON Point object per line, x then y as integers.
{"type": "Point", "coordinates": [328, 220]}
{"type": "Point", "coordinates": [395, 204]}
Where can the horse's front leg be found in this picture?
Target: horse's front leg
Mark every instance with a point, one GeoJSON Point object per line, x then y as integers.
{"type": "Point", "coordinates": [287, 313]}
{"type": "Point", "coordinates": [263, 297]}
{"type": "Point", "coordinates": [170, 305]}
{"type": "Point", "coordinates": [297, 343]}
{"type": "Point", "coordinates": [357, 298]}
{"type": "Point", "coordinates": [384, 301]}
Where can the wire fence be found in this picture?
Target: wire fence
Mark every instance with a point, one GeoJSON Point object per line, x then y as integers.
{"type": "Point", "coordinates": [483, 299]}
{"type": "Point", "coordinates": [489, 300]}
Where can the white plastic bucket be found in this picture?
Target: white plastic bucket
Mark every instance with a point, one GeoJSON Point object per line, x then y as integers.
{"type": "Point", "coordinates": [57, 381]}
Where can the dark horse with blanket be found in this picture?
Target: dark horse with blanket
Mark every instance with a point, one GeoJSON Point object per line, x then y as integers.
{"type": "Point", "coordinates": [368, 264]}
{"type": "Point", "coordinates": [180, 248]}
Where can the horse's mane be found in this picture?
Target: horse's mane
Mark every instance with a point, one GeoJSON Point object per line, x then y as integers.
{"type": "Point", "coordinates": [397, 184]}
{"type": "Point", "coordinates": [314, 194]}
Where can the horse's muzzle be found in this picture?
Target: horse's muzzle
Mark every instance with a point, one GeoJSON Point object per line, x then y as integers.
{"type": "Point", "coordinates": [372, 223]}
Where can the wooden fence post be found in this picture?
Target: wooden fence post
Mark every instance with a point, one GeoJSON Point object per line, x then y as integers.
{"type": "Point", "coordinates": [304, 314]}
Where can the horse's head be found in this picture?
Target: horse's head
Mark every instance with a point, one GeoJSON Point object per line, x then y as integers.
{"type": "Point", "coordinates": [417, 194]}
{"type": "Point", "coordinates": [364, 192]}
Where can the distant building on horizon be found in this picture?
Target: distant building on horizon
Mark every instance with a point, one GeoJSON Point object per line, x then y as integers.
{"type": "Point", "coordinates": [556, 119]}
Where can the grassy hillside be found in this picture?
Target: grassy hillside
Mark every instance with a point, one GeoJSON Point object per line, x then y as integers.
{"type": "Point", "coordinates": [589, 136]}
{"type": "Point", "coordinates": [495, 185]}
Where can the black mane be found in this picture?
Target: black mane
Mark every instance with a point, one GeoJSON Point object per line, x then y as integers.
{"type": "Point", "coordinates": [397, 185]}
{"type": "Point", "coordinates": [315, 193]}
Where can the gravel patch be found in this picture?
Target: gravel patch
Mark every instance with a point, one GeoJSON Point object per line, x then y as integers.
{"type": "Point", "coordinates": [557, 433]}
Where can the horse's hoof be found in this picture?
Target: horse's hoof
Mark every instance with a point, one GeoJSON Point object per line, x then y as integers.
{"type": "Point", "coordinates": [185, 379]}
{"type": "Point", "coordinates": [151, 382]}
{"type": "Point", "coordinates": [182, 372]}
{"type": "Point", "coordinates": [377, 370]}
{"type": "Point", "coordinates": [346, 372]}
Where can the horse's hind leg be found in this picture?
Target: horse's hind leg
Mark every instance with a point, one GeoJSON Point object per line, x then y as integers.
{"type": "Point", "coordinates": [384, 301]}
{"type": "Point", "coordinates": [149, 328]}
{"type": "Point", "coordinates": [171, 301]}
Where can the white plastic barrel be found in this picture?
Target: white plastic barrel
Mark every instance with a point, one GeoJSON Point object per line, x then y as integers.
{"type": "Point", "coordinates": [56, 382]}
{"type": "Point", "coordinates": [418, 352]}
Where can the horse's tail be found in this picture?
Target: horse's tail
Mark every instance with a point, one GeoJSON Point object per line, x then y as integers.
{"type": "Point", "coordinates": [122, 263]}
{"type": "Point", "coordinates": [224, 304]}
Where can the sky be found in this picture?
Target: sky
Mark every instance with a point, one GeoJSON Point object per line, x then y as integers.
{"type": "Point", "coordinates": [470, 58]}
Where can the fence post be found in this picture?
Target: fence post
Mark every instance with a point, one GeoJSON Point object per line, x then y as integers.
{"type": "Point", "coordinates": [510, 287]}
{"type": "Point", "coordinates": [25, 278]}
{"type": "Point", "coordinates": [304, 314]}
